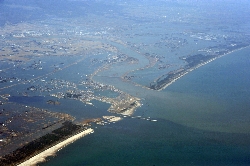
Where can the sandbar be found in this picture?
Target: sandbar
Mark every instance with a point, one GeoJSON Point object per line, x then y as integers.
{"type": "Point", "coordinates": [41, 157]}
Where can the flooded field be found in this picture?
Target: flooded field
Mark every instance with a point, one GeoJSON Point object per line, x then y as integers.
{"type": "Point", "coordinates": [114, 66]}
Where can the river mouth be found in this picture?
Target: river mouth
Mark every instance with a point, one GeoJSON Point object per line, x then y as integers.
{"type": "Point", "coordinates": [159, 82]}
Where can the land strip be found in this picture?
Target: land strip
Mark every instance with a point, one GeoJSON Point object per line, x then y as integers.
{"type": "Point", "coordinates": [38, 148]}
{"type": "Point", "coordinates": [194, 62]}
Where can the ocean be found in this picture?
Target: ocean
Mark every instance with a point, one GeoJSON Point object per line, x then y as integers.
{"type": "Point", "coordinates": [201, 119]}
{"type": "Point", "coordinates": [166, 142]}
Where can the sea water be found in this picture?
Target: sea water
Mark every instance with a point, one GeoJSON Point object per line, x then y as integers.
{"type": "Point", "coordinates": [171, 142]}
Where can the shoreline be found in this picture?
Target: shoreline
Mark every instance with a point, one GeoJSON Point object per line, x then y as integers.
{"type": "Point", "coordinates": [41, 157]}
{"type": "Point", "coordinates": [178, 74]}
{"type": "Point", "coordinates": [196, 67]}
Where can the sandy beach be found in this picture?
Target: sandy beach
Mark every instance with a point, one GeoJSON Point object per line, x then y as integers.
{"type": "Point", "coordinates": [41, 157]}
{"type": "Point", "coordinates": [201, 64]}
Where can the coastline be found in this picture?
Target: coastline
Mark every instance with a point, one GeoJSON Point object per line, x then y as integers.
{"type": "Point", "coordinates": [196, 67]}
{"type": "Point", "coordinates": [41, 157]}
